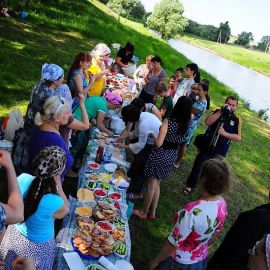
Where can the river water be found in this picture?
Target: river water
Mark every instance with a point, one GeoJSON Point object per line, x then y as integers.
{"type": "Point", "coordinates": [250, 85]}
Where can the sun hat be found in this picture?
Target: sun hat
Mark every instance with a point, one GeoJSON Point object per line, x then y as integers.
{"type": "Point", "coordinates": [51, 72]}
{"type": "Point", "coordinates": [114, 98]}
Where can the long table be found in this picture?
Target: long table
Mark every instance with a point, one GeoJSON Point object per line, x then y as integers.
{"type": "Point", "coordinates": [63, 239]}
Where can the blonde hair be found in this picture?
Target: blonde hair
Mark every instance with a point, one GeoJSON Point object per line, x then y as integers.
{"type": "Point", "coordinates": [100, 48]}
{"type": "Point", "coordinates": [53, 106]}
{"type": "Point", "coordinates": [149, 57]}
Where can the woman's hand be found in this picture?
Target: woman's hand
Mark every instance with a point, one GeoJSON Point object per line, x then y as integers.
{"type": "Point", "coordinates": [120, 145]}
{"type": "Point", "coordinates": [5, 159]}
{"type": "Point", "coordinates": [23, 263]}
{"type": "Point", "coordinates": [81, 98]}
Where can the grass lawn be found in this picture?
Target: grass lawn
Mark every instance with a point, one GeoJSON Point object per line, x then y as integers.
{"type": "Point", "coordinates": [56, 32]}
{"type": "Point", "coordinates": [255, 60]}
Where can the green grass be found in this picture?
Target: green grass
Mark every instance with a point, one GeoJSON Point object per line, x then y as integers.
{"type": "Point", "coordinates": [255, 60]}
{"type": "Point", "coordinates": [55, 33]}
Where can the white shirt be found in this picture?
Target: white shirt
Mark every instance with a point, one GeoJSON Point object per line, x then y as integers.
{"type": "Point", "coordinates": [148, 123]}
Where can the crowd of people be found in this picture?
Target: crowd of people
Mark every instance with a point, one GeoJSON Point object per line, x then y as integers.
{"type": "Point", "coordinates": [160, 125]}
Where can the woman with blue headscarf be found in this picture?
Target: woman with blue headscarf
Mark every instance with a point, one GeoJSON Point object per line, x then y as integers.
{"type": "Point", "coordinates": [52, 76]}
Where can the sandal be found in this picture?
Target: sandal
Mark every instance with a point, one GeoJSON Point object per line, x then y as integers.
{"type": "Point", "coordinates": [138, 213]}
{"type": "Point", "coordinates": [186, 191]}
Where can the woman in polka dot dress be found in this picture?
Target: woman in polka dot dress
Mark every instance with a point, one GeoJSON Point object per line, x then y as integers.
{"type": "Point", "coordinates": [161, 160]}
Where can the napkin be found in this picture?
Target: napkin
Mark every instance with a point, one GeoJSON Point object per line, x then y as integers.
{"type": "Point", "coordinates": [74, 261]}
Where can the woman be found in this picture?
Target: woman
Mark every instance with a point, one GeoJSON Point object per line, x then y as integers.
{"type": "Point", "coordinates": [55, 113]}
{"type": "Point", "coordinates": [77, 78]}
{"type": "Point", "coordinates": [12, 211]}
{"type": "Point", "coordinates": [44, 200]}
{"type": "Point", "coordinates": [198, 109]}
{"type": "Point", "coordinates": [155, 75]}
{"type": "Point", "coordinates": [141, 72]}
{"type": "Point", "coordinates": [97, 107]}
{"type": "Point", "coordinates": [106, 52]}
{"type": "Point", "coordinates": [125, 55]}
{"type": "Point", "coordinates": [197, 225]}
{"type": "Point", "coordinates": [98, 70]}
{"type": "Point", "coordinates": [52, 77]}
{"type": "Point", "coordinates": [171, 133]}
{"type": "Point", "coordinates": [193, 76]}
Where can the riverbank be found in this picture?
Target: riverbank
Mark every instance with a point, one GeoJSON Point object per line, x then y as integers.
{"type": "Point", "coordinates": [252, 59]}
{"type": "Point", "coordinates": [57, 32]}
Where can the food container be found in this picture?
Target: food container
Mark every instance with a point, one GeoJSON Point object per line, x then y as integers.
{"type": "Point", "coordinates": [123, 265]}
{"type": "Point", "coordinates": [110, 167]}
{"type": "Point", "coordinates": [100, 193]}
{"type": "Point", "coordinates": [120, 249]}
{"type": "Point", "coordinates": [94, 267]}
{"type": "Point", "coordinates": [93, 166]}
{"type": "Point", "coordinates": [105, 226]}
{"type": "Point", "coordinates": [91, 184]}
{"type": "Point", "coordinates": [6, 145]}
{"type": "Point", "coordinates": [130, 69]}
{"type": "Point", "coordinates": [115, 196]}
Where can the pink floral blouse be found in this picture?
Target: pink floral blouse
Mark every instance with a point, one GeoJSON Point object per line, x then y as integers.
{"type": "Point", "coordinates": [194, 226]}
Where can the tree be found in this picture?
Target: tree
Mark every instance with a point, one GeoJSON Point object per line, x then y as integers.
{"type": "Point", "coordinates": [209, 32]}
{"type": "Point", "coordinates": [244, 38]}
{"type": "Point", "coordinates": [225, 31]}
{"type": "Point", "coordinates": [127, 8]}
{"type": "Point", "coordinates": [167, 18]}
{"type": "Point", "coordinates": [264, 43]}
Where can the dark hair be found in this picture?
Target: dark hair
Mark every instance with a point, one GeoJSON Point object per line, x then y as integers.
{"type": "Point", "coordinates": [173, 77]}
{"type": "Point", "coordinates": [129, 47]}
{"type": "Point", "coordinates": [232, 98]}
{"type": "Point", "coordinates": [48, 83]}
{"type": "Point", "coordinates": [80, 57]}
{"type": "Point", "coordinates": [31, 200]}
{"type": "Point", "coordinates": [215, 176]}
{"type": "Point", "coordinates": [194, 67]}
{"type": "Point", "coordinates": [157, 59]}
{"type": "Point", "coordinates": [180, 69]}
{"type": "Point", "coordinates": [161, 86]}
{"type": "Point", "coordinates": [205, 88]}
{"type": "Point", "coordinates": [139, 103]}
{"type": "Point", "coordinates": [182, 113]}
{"type": "Point", "coordinates": [130, 113]}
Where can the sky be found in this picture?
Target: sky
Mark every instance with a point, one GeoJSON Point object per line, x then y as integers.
{"type": "Point", "coordinates": [243, 15]}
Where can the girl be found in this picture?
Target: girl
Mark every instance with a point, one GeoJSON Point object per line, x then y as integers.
{"type": "Point", "coordinates": [198, 223]}
{"type": "Point", "coordinates": [44, 200]}
{"type": "Point", "coordinates": [171, 133]}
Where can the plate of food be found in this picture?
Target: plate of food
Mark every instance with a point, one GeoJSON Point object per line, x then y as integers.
{"type": "Point", "coordinates": [93, 165]}
{"type": "Point", "coordinates": [106, 177]}
{"type": "Point", "coordinates": [84, 211]}
{"type": "Point", "coordinates": [100, 193]}
{"type": "Point", "coordinates": [105, 211]}
{"type": "Point", "coordinates": [119, 235]}
{"type": "Point", "coordinates": [92, 176]}
{"type": "Point", "coordinates": [115, 196]}
{"type": "Point", "coordinates": [120, 249]}
{"type": "Point", "coordinates": [105, 185]}
{"type": "Point", "coordinates": [105, 225]}
{"type": "Point", "coordinates": [119, 224]}
{"type": "Point", "coordinates": [119, 183]}
{"type": "Point", "coordinates": [91, 184]}
{"type": "Point", "coordinates": [94, 267]}
{"type": "Point", "coordinates": [110, 167]}
{"type": "Point", "coordinates": [84, 194]}
{"type": "Point", "coordinates": [81, 222]}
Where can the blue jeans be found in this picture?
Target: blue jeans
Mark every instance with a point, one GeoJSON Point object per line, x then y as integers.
{"type": "Point", "coordinates": [170, 264]}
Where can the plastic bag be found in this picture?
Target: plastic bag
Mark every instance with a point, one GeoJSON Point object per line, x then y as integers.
{"type": "Point", "coordinates": [15, 122]}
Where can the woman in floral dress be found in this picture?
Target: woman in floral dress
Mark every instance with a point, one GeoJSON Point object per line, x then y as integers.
{"type": "Point", "coordinates": [196, 226]}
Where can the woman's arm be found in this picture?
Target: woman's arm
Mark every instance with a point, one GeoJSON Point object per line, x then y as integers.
{"type": "Point", "coordinates": [14, 208]}
{"type": "Point", "coordinates": [63, 211]}
{"type": "Point", "coordinates": [166, 251]}
{"type": "Point", "coordinates": [156, 112]}
{"type": "Point", "coordinates": [119, 62]}
{"type": "Point", "coordinates": [162, 111]}
{"type": "Point", "coordinates": [101, 74]}
{"type": "Point", "coordinates": [100, 124]}
{"type": "Point", "coordinates": [84, 123]}
{"type": "Point", "coordinates": [162, 133]}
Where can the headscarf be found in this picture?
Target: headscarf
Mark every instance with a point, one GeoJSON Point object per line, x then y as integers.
{"type": "Point", "coordinates": [49, 162]}
{"type": "Point", "coordinates": [114, 98]}
{"type": "Point", "coordinates": [103, 48]}
{"type": "Point", "coordinates": [267, 250]}
{"type": "Point", "coordinates": [51, 72]}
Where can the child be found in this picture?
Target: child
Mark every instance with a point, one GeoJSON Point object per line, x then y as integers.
{"type": "Point", "coordinates": [198, 223]}
{"type": "Point", "coordinates": [179, 75]}
{"type": "Point", "coordinates": [172, 85]}
{"type": "Point", "coordinates": [166, 104]}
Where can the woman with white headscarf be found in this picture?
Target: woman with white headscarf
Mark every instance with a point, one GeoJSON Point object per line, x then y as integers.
{"type": "Point", "coordinates": [98, 69]}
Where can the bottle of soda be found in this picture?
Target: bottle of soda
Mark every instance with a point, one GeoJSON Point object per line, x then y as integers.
{"type": "Point", "coordinates": [99, 154]}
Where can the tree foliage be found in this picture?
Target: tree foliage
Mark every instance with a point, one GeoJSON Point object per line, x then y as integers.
{"type": "Point", "coordinates": [225, 31]}
{"type": "Point", "coordinates": [244, 38]}
{"type": "Point", "coordinates": [167, 18]}
{"type": "Point", "coordinates": [265, 40]}
{"type": "Point", "coordinates": [209, 32]}
{"type": "Point", "coordinates": [128, 8]}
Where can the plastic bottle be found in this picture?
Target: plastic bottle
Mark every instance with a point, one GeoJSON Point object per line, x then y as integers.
{"type": "Point", "coordinates": [99, 154]}
{"type": "Point", "coordinates": [108, 154]}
